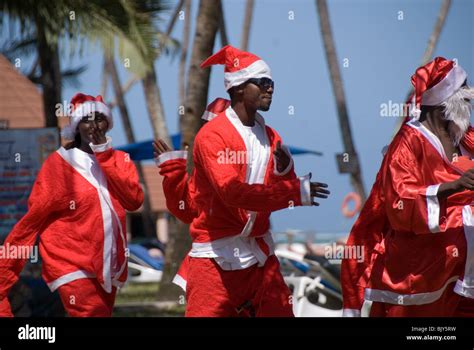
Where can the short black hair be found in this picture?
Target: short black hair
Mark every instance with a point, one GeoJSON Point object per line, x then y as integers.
{"type": "Point", "coordinates": [231, 92]}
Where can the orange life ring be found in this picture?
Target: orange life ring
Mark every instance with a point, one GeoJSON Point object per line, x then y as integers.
{"type": "Point", "coordinates": [351, 196]}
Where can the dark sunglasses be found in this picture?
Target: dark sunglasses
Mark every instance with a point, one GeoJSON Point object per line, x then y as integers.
{"type": "Point", "coordinates": [262, 83]}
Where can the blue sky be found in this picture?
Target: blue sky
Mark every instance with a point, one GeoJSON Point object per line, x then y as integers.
{"type": "Point", "coordinates": [382, 51]}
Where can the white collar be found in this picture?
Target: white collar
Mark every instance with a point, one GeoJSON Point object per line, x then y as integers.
{"type": "Point", "coordinates": [84, 163]}
{"type": "Point", "coordinates": [434, 140]}
{"type": "Point", "coordinates": [231, 113]}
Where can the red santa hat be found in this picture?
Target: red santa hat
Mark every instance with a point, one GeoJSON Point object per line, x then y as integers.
{"type": "Point", "coordinates": [435, 82]}
{"type": "Point", "coordinates": [83, 106]}
{"type": "Point", "coordinates": [240, 66]}
{"type": "Point", "coordinates": [215, 107]}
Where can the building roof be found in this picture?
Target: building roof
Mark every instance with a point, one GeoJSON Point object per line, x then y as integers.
{"type": "Point", "coordinates": [21, 103]}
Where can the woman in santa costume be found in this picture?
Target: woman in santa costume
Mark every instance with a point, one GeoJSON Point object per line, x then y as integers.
{"type": "Point", "coordinates": [77, 209]}
{"type": "Point", "coordinates": [241, 174]}
{"type": "Point", "coordinates": [417, 226]}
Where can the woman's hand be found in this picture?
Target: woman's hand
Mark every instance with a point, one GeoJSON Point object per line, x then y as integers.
{"type": "Point", "coordinates": [98, 136]}
{"type": "Point", "coordinates": [160, 147]}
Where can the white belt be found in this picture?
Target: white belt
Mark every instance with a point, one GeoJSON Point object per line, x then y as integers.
{"type": "Point", "coordinates": [234, 253]}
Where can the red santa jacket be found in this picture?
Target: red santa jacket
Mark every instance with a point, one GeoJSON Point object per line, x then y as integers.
{"type": "Point", "coordinates": [415, 245]}
{"type": "Point", "coordinates": [227, 205]}
{"type": "Point", "coordinates": [217, 195]}
{"type": "Point", "coordinates": [77, 207]}
{"type": "Point", "coordinates": [180, 191]}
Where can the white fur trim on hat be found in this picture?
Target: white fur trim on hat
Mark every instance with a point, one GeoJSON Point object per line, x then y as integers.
{"type": "Point", "coordinates": [258, 69]}
{"type": "Point", "coordinates": [83, 110]}
{"type": "Point", "coordinates": [445, 88]}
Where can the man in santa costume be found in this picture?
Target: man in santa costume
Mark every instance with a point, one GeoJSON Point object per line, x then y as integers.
{"type": "Point", "coordinates": [77, 209]}
{"type": "Point", "coordinates": [417, 226]}
{"type": "Point", "coordinates": [241, 174]}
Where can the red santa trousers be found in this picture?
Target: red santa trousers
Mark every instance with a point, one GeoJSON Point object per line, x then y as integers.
{"type": "Point", "coordinates": [254, 291]}
{"type": "Point", "coordinates": [87, 298]}
{"type": "Point", "coordinates": [445, 306]}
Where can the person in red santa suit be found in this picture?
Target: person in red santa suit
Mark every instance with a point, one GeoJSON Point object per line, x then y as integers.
{"type": "Point", "coordinates": [77, 209]}
{"type": "Point", "coordinates": [177, 187]}
{"type": "Point", "coordinates": [417, 226]}
{"type": "Point", "coordinates": [241, 174]}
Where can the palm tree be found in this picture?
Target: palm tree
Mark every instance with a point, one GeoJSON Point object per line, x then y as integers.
{"type": "Point", "coordinates": [207, 25]}
{"type": "Point", "coordinates": [151, 87]}
{"type": "Point", "coordinates": [428, 54]}
{"type": "Point", "coordinates": [54, 21]}
{"type": "Point", "coordinates": [247, 22]}
{"type": "Point", "coordinates": [112, 71]}
{"type": "Point", "coordinates": [353, 166]}
{"type": "Point", "coordinates": [222, 30]}
{"type": "Point", "coordinates": [13, 49]}
{"type": "Point", "coordinates": [184, 52]}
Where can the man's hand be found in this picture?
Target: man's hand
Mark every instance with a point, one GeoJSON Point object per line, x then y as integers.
{"type": "Point", "coordinates": [318, 190]}
{"type": "Point", "coordinates": [465, 182]}
{"type": "Point", "coordinates": [98, 137]}
{"type": "Point", "coordinates": [282, 159]}
{"type": "Point", "coordinates": [160, 147]}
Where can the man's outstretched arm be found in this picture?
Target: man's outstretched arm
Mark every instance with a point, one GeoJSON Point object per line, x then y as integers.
{"type": "Point", "coordinates": [224, 177]}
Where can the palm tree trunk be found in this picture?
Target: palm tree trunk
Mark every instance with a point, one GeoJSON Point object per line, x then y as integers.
{"type": "Point", "coordinates": [184, 52]}
{"type": "Point", "coordinates": [222, 30]}
{"type": "Point", "coordinates": [50, 74]}
{"type": "Point", "coordinates": [443, 12]}
{"type": "Point", "coordinates": [247, 23]}
{"type": "Point", "coordinates": [155, 106]}
{"type": "Point", "coordinates": [432, 42]}
{"type": "Point", "coordinates": [207, 24]}
{"type": "Point", "coordinates": [198, 79]}
{"type": "Point", "coordinates": [105, 83]}
{"type": "Point", "coordinates": [148, 224]}
{"type": "Point", "coordinates": [152, 92]}
{"type": "Point", "coordinates": [338, 88]}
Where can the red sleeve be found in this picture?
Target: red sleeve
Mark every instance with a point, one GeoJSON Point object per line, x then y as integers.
{"type": "Point", "coordinates": [5, 309]}
{"type": "Point", "coordinates": [44, 200]}
{"type": "Point", "coordinates": [410, 203]}
{"type": "Point", "coordinates": [122, 177]}
{"type": "Point", "coordinates": [232, 190]}
{"type": "Point", "coordinates": [468, 140]}
{"type": "Point", "coordinates": [176, 186]}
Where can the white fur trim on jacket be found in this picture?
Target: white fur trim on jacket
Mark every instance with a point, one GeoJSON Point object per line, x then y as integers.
{"type": "Point", "coordinates": [102, 147]}
{"type": "Point", "coordinates": [170, 155]}
{"type": "Point", "coordinates": [305, 189]}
